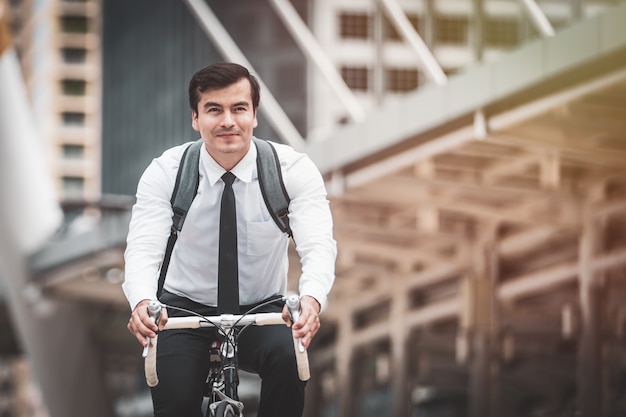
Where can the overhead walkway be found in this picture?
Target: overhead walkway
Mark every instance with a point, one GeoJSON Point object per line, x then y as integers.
{"type": "Point", "coordinates": [481, 233]}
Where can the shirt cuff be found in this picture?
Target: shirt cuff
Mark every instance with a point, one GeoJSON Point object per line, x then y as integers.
{"type": "Point", "coordinates": [315, 291]}
{"type": "Point", "coordinates": [136, 294]}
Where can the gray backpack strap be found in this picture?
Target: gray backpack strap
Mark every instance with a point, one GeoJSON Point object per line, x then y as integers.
{"type": "Point", "coordinates": [186, 185]}
{"type": "Point", "coordinates": [185, 190]}
{"type": "Point", "coordinates": [272, 185]}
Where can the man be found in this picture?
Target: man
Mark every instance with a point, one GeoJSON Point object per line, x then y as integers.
{"type": "Point", "coordinates": [224, 98]}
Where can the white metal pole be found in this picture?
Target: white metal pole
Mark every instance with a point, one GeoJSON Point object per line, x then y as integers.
{"type": "Point", "coordinates": [312, 49]}
{"type": "Point", "coordinates": [429, 64]}
{"type": "Point", "coordinates": [538, 17]}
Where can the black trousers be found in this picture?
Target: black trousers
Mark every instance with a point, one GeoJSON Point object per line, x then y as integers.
{"type": "Point", "coordinates": [183, 364]}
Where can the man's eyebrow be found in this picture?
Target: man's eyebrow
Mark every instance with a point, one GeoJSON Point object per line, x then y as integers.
{"type": "Point", "coordinates": [214, 104]}
{"type": "Point", "coordinates": [211, 104]}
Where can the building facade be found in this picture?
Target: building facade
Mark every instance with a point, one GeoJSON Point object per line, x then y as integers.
{"type": "Point", "coordinates": [59, 45]}
{"type": "Point", "coordinates": [379, 64]}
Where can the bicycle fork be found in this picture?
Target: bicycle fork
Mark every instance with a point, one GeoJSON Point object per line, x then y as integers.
{"type": "Point", "coordinates": [226, 389]}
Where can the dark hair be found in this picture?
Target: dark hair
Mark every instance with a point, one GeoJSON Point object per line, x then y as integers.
{"type": "Point", "coordinates": [221, 75]}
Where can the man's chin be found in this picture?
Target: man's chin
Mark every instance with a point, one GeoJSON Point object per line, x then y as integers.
{"type": "Point", "coordinates": [236, 146]}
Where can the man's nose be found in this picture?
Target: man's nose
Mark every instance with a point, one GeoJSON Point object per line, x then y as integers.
{"type": "Point", "coordinates": [227, 119]}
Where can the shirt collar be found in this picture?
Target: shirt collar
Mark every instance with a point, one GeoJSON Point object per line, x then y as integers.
{"type": "Point", "coordinates": [245, 170]}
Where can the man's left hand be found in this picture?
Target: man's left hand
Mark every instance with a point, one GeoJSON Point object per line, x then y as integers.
{"type": "Point", "coordinates": [309, 322]}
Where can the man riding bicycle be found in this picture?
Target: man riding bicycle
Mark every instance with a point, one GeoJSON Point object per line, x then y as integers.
{"type": "Point", "coordinates": [224, 98]}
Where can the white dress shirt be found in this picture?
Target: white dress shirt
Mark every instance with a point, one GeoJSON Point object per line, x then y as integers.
{"type": "Point", "coordinates": [262, 247]}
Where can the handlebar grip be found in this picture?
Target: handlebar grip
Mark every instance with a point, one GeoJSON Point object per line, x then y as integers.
{"type": "Point", "coordinates": [269, 318]}
{"type": "Point", "coordinates": [152, 379]}
{"type": "Point", "coordinates": [302, 360]}
{"type": "Point", "coordinates": [191, 322]}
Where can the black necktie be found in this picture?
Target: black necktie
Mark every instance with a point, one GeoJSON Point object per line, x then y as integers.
{"type": "Point", "coordinates": [228, 270]}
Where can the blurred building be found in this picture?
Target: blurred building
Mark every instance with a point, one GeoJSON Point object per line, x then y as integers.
{"type": "Point", "coordinates": [59, 46]}
{"type": "Point", "coordinates": [19, 395]}
{"type": "Point", "coordinates": [367, 46]}
{"type": "Point", "coordinates": [475, 164]}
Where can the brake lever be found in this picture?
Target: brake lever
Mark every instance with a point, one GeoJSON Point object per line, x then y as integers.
{"type": "Point", "coordinates": [293, 305]}
{"type": "Point", "coordinates": [154, 311]}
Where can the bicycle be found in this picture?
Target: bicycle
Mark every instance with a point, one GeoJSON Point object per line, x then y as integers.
{"type": "Point", "coordinates": [223, 380]}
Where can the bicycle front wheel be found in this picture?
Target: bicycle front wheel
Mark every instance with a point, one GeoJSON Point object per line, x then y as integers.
{"type": "Point", "coordinates": [226, 410]}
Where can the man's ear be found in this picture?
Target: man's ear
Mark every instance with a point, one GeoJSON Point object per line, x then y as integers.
{"type": "Point", "coordinates": [194, 121]}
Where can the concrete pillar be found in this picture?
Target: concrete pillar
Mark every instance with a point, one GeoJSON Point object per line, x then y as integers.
{"type": "Point", "coordinates": [590, 372]}
{"type": "Point", "coordinates": [577, 10]}
{"type": "Point", "coordinates": [478, 329]}
{"type": "Point", "coordinates": [398, 354]}
{"type": "Point", "coordinates": [429, 22]}
{"type": "Point", "coordinates": [343, 355]}
{"type": "Point", "coordinates": [477, 29]}
{"type": "Point", "coordinates": [378, 76]}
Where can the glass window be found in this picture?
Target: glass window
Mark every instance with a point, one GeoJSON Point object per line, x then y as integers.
{"type": "Point", "coordinates": [354, 25]}
{"type": "Point", "coordinates": [451, 29]}
{"type": "Point", "coordinates": [74, 55]}
{"type": "Point", "coordinates": [73, 118]}
{"type": "Point", "coordinates": [74, 24]}
{"type": "Point", "coordinates": [74, 87]}
{"type": "Point", "coordinates": [73, 151]}
{"type": "Point", "coordinates": [357, 78]}
{"type": "Point", "coordinates": [502, 32]}
{"type": "Point", "coordinates": [402, 79]}
{"type": "Point", "coordinates": [73, 186]}
{"type": "Point", "coordinates": [390, 31]}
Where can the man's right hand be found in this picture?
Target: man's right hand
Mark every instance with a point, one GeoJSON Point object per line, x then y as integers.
{"type": "Point", "coordinates": [142, 326]}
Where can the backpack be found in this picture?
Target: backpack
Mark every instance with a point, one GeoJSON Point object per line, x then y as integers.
{"type": "Point", "coordinates": [187, 179]}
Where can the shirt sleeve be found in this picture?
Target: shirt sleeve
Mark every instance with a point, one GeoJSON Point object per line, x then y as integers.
{"type": "Point", "coordinates": [312, 226]}
{"type": "Point", "coordinates": [149, 228]}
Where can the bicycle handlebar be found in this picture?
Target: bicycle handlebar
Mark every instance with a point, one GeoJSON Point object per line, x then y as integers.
{"type": "Point", "coordinates": [195, 322]}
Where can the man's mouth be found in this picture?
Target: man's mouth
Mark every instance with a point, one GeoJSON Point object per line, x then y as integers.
{"type": "Point", "coordinates": [227, 134]}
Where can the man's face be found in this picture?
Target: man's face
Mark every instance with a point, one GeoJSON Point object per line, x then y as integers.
{"type": "Point", "coordinates": [225, 120]}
